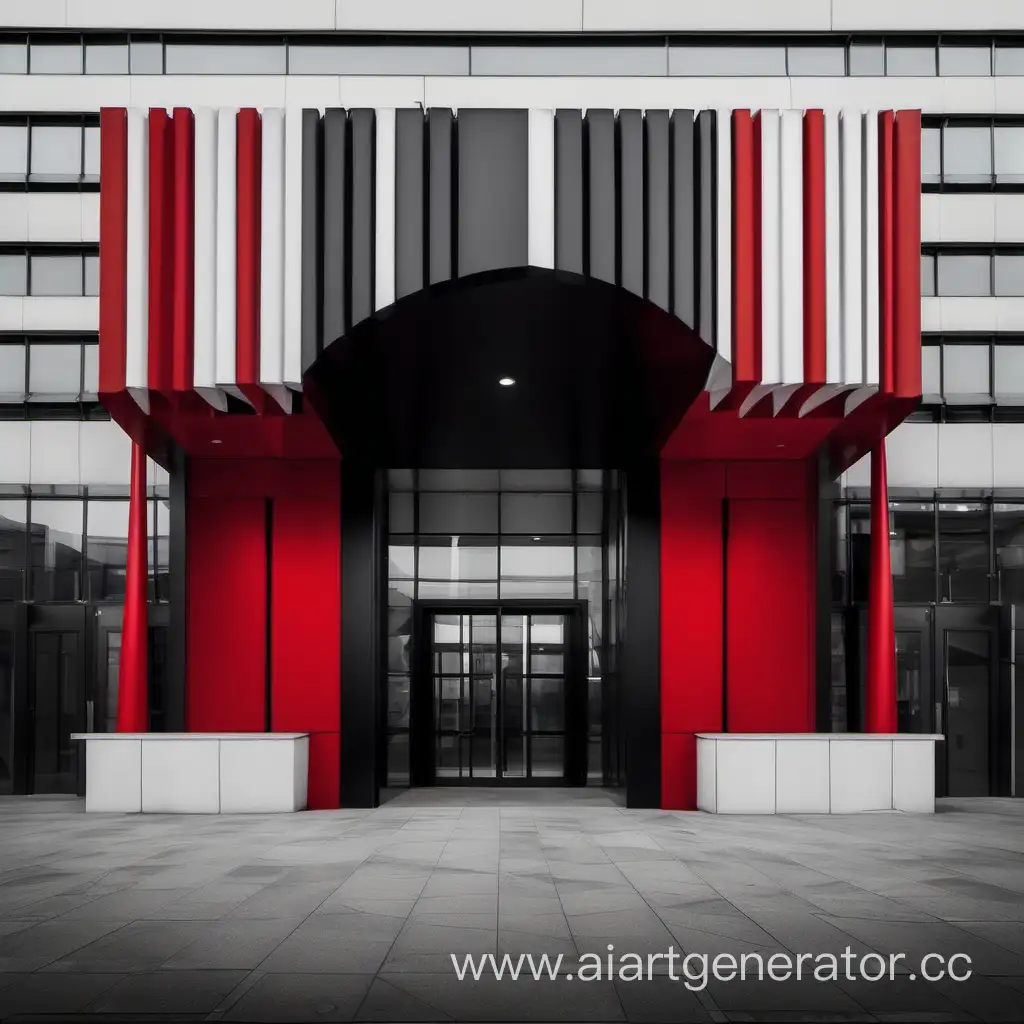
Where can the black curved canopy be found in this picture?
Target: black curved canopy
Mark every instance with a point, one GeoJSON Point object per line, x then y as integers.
{"type": "Point", "coordinates": [602, 376]}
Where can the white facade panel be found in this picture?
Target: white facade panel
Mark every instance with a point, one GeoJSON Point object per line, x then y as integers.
{"type": "Point", "coordinates": [771, 248]}
{"type": "Point", "coordinates": [791, 216]}
{"type": "Point", "coordinates": [851, 143]}
{"type": "Point", "coordinates": [366, 91]}
{"type": "Point", "coordinates": [35, 13]}
{"type": "Point", "coordinates": [14, 216]}
{"type": "Point", "coordinates": [1007, 449]}
{"type": "Point", "coordinates": [833, 252]}
{"type": "Point", "coordinates": [205, 242]}
{"type": "Point", "coordinates": [60, 313]}
{"type": "Point", "coordinates": [972, 313]}
{"type": "Point", "coordinates": [541, 189]}
{"type": "Point", "coordinates": [932, 95]}
{"type": "Point", "coordinates": [292, 365]}
{"type": "Point", "coordinates": [924, 15]}
{"type": "Point", "coordinates": [459, 16]}
{"type": "Point", "coordinates": [271, 329]}
{"type": "Point", "coordinates": [55, 93]}
{"type": "Point", "coordinates": [90, 217]}
{"type": "Point", "coordinates": [49, 217]}
{"type": "Point", "coordinates": [965, 455]}
{"type": "Point", "coordinates": [54, 452]}
{"type": "Point", "coordinates": [870, 289]}
{"type": "Point", "coordinates": [912, 455]}
{"type": "Point", "coordinates": [723, 270]}
{"type": "Point", "coordinates": [137, 256]}
{"type": "Point", "coordinates": [248, 15]}
{"type": "Point", "coordinates": [15, 451]}
{"type": "Point", "coordinates": [227, 216]}
{"type": "Point", "coordinates": [208, 90]}
{"type": "Point", "coordinates": [105, 454]}
{"type": "Point", "coordinates": [953, 217]}
{"type": "Point", "coordinates": [12, 313]}
{"type": "Point", "coordinates": [722, 16]}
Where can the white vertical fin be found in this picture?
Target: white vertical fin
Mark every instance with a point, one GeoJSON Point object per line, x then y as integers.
{"type": "Point", "coordinates": [136, 362]}
{"type": "Point", "coordinates": [226, 275]}
{"type": "Point", "coordinates": [852, 252]}
{"type": "Point", "coordinates": [541, 189]}
{"type": "Point", "coordinates": [791, 217]}
{"type": "Point", "coordinates": [723, 327]}
{"type": "Point", "coordinates": [272, 258]}
{"type": "Point", "coordinates": [771, 248]}
{"type": "Point", "coordinates": [384, 240]}
{"type": "Point", "coordinates": [293, 249]}
{"type": "Point", "coordinates": [870, 285]}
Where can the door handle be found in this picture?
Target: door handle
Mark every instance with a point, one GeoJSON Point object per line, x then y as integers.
{"type": "Point", "coordinates": [89, 715]}
{"type": "Point", "coordinates": [938, 716]}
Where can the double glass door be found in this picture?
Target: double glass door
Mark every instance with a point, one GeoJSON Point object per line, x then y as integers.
{"type": "Point", "coordinates": [503, 692]}
{"type": "Point", "coordinates": [946, 677]}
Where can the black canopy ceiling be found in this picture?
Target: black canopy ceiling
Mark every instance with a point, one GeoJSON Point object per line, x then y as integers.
{"type": "Point", "coordinates": [602, 376]}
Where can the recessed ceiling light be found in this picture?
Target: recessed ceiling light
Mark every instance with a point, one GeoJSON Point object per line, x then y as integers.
{"type": "Point", "coordinates": [216, 440]}
{"type": "Point", "coordinates": [536, 538]}
{"type": "Point", "coordinates": [506, 382]}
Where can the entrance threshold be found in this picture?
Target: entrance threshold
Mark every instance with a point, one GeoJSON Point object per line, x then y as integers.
{"type": "Point", "coordinates": [503, 796]}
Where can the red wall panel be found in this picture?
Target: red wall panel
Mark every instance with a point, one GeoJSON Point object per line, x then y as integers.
{"type": "Point", "coordinates": [770, 611]}
{"type": "Point", "coordinates": [227, 592]}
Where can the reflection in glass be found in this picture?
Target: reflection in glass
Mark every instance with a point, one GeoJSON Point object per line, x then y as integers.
{"type": "Point", "coordinates": [967, 154]}
{"type": "Point", "coordinates": [968, 671]}
{"type": "Point", "coordinates": [56, 549]}
{"type": "Point", "coordinates": [54, 372]}
{"type": "Point", "coordinates": [536, 513]}
{"type": "Point", "coordinates": [964, 553]}
{"type": "Point", "coordinates": [1009, 154]}
{"type": "Point", "coordinates": [912, 551]}
{"type": "Point", "coordinates": [6, 710]}
{"type": "Point", "coordinates": [964, 274]}
{"type": "Point", "coordinates": [972, 61]}
{"type": "Point", "coordinates": [458, 558]}
{"type": "Point", "coordinates": [1009, 545]}
{"type": "Point", "coordinates": [909, 61]}
{"type": "Point", "coordinates": [56, 154]}
{"type": "Point", "coordinates": [13, 534]}
{"type": "Point", "coordinates": [965, 374]}
{"type": "Point", "coordinates": [57, 275]}
{"type": "Point", "coordinates": [453, 513]}
{"type": "Point", "coordinates": [537, 568]}
{"type": "Point", "coordinates": [106, 550]}
{"type": "Point", "coordinates": [911, 706]}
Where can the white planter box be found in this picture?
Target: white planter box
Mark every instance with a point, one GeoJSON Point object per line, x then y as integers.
{"type": "Point", "coordinates": [815, 773]}
{"type": "Point", "coordinates": [196, 772]}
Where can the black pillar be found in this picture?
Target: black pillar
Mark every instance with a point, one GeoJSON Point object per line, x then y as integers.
{"type": "Point", "coordinates": [362, 547]}
{"type": "Point", "coordinates": [177, 640]}
{"type": "Point", "coordinates": [641, 664]}
{"type": "Point", "coordinates": [825, 549]}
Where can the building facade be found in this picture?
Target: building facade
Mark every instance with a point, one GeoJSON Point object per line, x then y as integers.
{"type": "Point", "coordinates": [719, 256]}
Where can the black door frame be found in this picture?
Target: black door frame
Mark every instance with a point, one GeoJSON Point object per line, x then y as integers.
{"type": "Point", "coordinates": [421, 717]}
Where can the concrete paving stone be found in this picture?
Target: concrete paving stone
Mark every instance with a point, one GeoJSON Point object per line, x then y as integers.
{"type": "Point", "coordinates": [44, 993]}
{"type": "Point", "coordinates": [660, 1000]}
{"type": "Point", "coordinates": [389, 1004]}
{"type": "Point", "coordinates": [138, 946]}
{"type": "Point", "coordinates": [233, 944]}
{"type": "Point", "coordinates": [168, 992]}
{"type": "Point", "coordinates": [283, 901]}
{"type": "Point", "coordinates": [288, 997]}
{"type": "Point", "coordinates": [35, 947]}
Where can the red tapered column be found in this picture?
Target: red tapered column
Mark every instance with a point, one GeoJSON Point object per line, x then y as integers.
{"type": "Point", "coordinates": [132, 680]}
{"type": "Point", "coordinates": [881, 664]}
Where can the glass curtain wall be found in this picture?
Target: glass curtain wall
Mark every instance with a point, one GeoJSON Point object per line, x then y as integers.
{"type": "Point", "coordinates": [493, 535]}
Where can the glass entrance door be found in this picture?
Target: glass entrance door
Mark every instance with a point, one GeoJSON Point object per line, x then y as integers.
{"type": "Point", "coordinates": [503, 688]}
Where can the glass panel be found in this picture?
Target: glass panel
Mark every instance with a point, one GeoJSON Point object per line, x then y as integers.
{"type": "Point", "coordinates": [460, 559]}
{"type": "Point", "coordinates": [1009, 60]}
{"type": "Point", "coordinates": [91, 163]}
{"type": "Point", "coordinates": [539, 569]}
{"type": "Point", "coordinates": [401, 479]}
{"type": "Point", "coordinates": [961, 274]}
{"type": "Point", "coordinates": [207, 59]}
{"type": "Point", "coordinates": [6, 711]}
{"type": "Point", "coordinates": [458, 480]}
{"type": "Point", "coordinates": [536, 513]}
{"type": "Point", "coordinates": [964, 554]}
{"type": "Point", "coordinates": [965, 376]}
{"type": "Point", "coordinates": [547, 757]}
{"type": "Point", "coordinates": [457, 588]}
{"type": "Point", "coordinates": [839, 716]}
{"type": "Point", "coordinates": [1009, 274]}
{"type": "Point", "coordinates": [398, 759]}
{"type": "Point", "coordinates": [91, 387]}
{"type": "Point", "coordinates": [381, 60]}
{"type": "Point", "coordinates": [56, 275]}
{"type": "Point", "coordinates": [56, 551]}
{"type": "Point", "coordinates": [911, 702]}
{"type": "Point", "coordinates": [965, 60]}
{"type": "Point", "coordinates": [92, 275]}
{"type": "Point", "coordinates": [867, 59]}
{"type": "Point", "coordinates": [401, 558]}
{"type": "Point", "coordinates": [911, 551]}
{"type": "Point", "coordinates": [547, 705]}
{"type": "Point", "coordinates": [113, 662]}
{"type": "Point", "coordinates": [160, 558]}
{"type": "Point", "coordinates": [400, 512]}
{"type": "Point", "coordinates": [1009, 154]}
{"type": "Point", "coordinates": [399, 639]}
{"type": "Point", "coordinates": [817, 60]}
{"type": "Point", "coordinates": [106, 552]}
{"type": "Point", "coordinates": [931, 385]}
{"type": "Point", "coordinates": [589, 512]}
{"type": "Point", "coordinates": [56, 701]}
{"type": "Point", "coordinates": [484, 709]}
{"type": "Point", "coordinates": [13, 531]}
{"type": "Point", "coordinates": [967, 154]}
{"type": "Point", "coordinates": [927, 275]}
{"type": "Point", "coordinates": [13, 58]}
{"type": "Point", "coordinates": [12, 373]}
{"type": "Point", "coordinates": [1009, 373]}
{"type": "Point", "coordinates": [106, 59]}
{"type": "Point", "coordinates": [398, 701]}
{"type": "Point", "coordinates": [564, 60]}
{"type": "Point", "coordinates": [60, 59]}
{"type": "Point", "coordinates": [55, 371]}
{"type": "Point", "coordinates": [968, 671]}
{"type": "Point", "coordinates": [536, 480]}
{"type": "Point", "coordinates": [13, 275]}
{"type": "Point", "coordinates": [514, 712]}
{"type": "Point", "coordinates": [459, 513]}
{"type": "Point", "coordinates": [13, 152]}
{"type": "Point", "coordinates": [590, 479]}
{"type": "Point", "coordinates": [709, 61]}
{"type": "Point", "coordinates": [931, 142]}
{"type": "Point", "coordinates": [146, 58]}
{"type": "Point", "coordinates": [1009, 544]}
{"type": "Point", "coordinates": [909, 61]}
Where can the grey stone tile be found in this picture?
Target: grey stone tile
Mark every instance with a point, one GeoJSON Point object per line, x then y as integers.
{"type": "Point", "coordinates": [660, 1000]}
{"type": "Point", "coordinates": [283, 901]}
{"type": "Point", "coordinates": [306, 997]}
{"type": "Point", "coordinates": [138, 946]}
{"type": "Point", "coordinates": [32, 994]}
{"type": "Point", "coordinates": [169, 992]}
{"type": "Point", "coordinates": [35, 947]}
{"type": "Point", "coordinates": [387, 1003]}
{"type": "Point", "coordinates": [335, 943]}
{"type": "Point", "coordinates": [233, 944]}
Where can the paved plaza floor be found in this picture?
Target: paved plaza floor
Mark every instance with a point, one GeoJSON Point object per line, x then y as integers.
{"type": "Point", "coordinates": [352, 915]}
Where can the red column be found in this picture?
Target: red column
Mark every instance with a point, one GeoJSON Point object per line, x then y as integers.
{"type": "Point", "coordinates": [132, 682]}
{"type": "Point", "coordinates": [881, 663]}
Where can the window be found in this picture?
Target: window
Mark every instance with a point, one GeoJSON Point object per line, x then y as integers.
{"type": "Point", "coordinates": [1009, 373]}
{"type": "Point", "coordinates": [13, 534]}
{"type": "Point", "coordinates": [13, 275]}
{"type": "Point", "coordinates": [912, 550]}
{"type": "Point", "coordinates": [1009, 154]}
{"type": "Point", "coordinates": [37, 368]}
{"type": "Point", "coordinates": [13, 152]}
{"type": "Point", "coordinates": [964, 274]}
{"type": "Point", "coordinates": [13, 58]}
{"type": "Point", "coordinates": [867, 59]}
{"type": "Point", "coordinates": [207, 59]}
{"type": "Point", "coordinates": [56, 275]}
{"type": "Point", "coordinates": [965, 61]}
{"type": "Point", "coordinates": [56, 153]}
{"type": "Point", "coordinates": [964, 551]}
{"type": "Point", "coordinates": [909, 61]}
{"type": "Point", "coordinates": [145, 58]}
{"type": "Point", "coordinates": [927, 275]}
{"type": "Point", "coordinates": [931, 373]}
{"type": "Point", "coordinates": [730, 61]}
{"type": "Point", "coordinates": [1008, 274]}
{"type": "Point", "coordinates": [106, 552]}
{"type": "Point", "coordinates": [106, 58]}
{"type": "Point", "coordinates": [965, 373]}
{"type": "Point", "coordinates": [821, 61]}
{"type": "Point", "coordinates": [55, 372]}
{"type": "Point", "coordinates": [931, 155]}
{"type": "Point", "coordinates": [1008, 529]}
{"type": "Point", "coordinates": [55, 59]}
{"type": "Point", "coordinates": [56, 549]}
{"type": "Point", "coordinates": [973, 370]}
{"type": "Point", "coordinates": [967, 154]}
{"type": "Point", "coordinates": [61, 147]}
{"type": "Point", "coordinates": [12, 372]}
{"type": "Point", "coordinates": [1009, 60]}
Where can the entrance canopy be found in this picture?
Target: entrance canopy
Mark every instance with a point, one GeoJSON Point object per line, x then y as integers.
{"type": "Point", "coordinates": [601, 376]}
